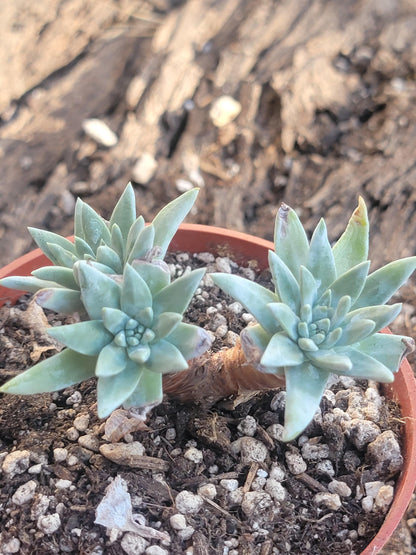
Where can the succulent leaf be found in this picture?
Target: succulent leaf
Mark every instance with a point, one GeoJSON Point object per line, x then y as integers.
{"type": "Point", "coordinates": [352, 247]}
{"type": "Point", "coordinates": [165, 357]}
{"type": "Point", "coordinates": [290, 240]}
{"type": "Point", "coordinates": [27, 283]}
{"type": "Point", "coordinates": [286, 318]}
{"type": "Point", "coordinates": [285, 283]}
{"type": "Point", "coordinates": [42, 238]}
{"type": "Point", "coordinates": [166, 323]}
{"type": "Point", "coordinates": [177, 296]}
{"type": "Point", "coordinates": [387, 348]}
{"type": "Point", "coordinates": [381, 315]}
{"type": "Point", "coordinates": [114, 319]}
{"type": "Point", "coordinates": [350, 283]}
{"type": "Point", "coordinates": [59, 299]}
{"type": "Point", "coordinates": [95, 229]}
{"type": "Point", "coordinates": [305, 385]}
{"type": "Point", "coordinates": [366, 366]}
{"type": "Point", "coordinates": [87, 338]}
{"type": "Point", "coordinates": [107, 256]}
{"type": "Point", "coordinates": [282, 351]}
{"type": "Point", "coordinates": [321, 261]}
{"type": "Point", "coordinates": [124, 213]}
{"type": "Point", "coordinates": [191, 340]}
{"type": "Point", "coordinates": [63, 256]}
{"type": "Point", "coordinates": [308, 287]}
{"type": "Point", "coordinates": [118, 242]}
{"type": "Point", "coordinates": [156, 273]}
{"type": "Point", "coordinates": [57, 274]}
{"type": "Point", "coordinates": [384, 282]}
{"type": "Point", "coordinates": [112, 360]}
{"type": "Point", "coordinates": [167, 221]}
{"type": "Point", "coordinates": [133, 233]}
{"type": "Point", "coordinates": [356, 330]}
{"type": "Point", "coordinates": [135, 294]}
{"type": "Point", "coordinates": [143, 244]}
{"type": "Point", "coordinates": [82, 248]}
{"type": "Point", "coordinates": [252, 296]}
{"type": "Point", "coordinates": [97, 290]}
{"type": "Point", "coordinates": [52, 374]}
{"type": "Point", "coordinates": [148, 391]}
{"type": "Point", "coordinates": [113, 391]}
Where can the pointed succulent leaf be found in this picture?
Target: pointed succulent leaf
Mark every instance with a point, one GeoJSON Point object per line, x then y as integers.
{"type": "Point", "coordinates": [124, 213]}
{"type": "Point", "coordinates": [98, 290]}
{"type": "Point", "coordinates": [388, 349]}
{"type": "Point", "coordinates": [156, 273]}
{"type": "Point", "coordinates": [192, 341]}
{"type": "Point", "coordinates": [62, 300]}
{"type": "Point", "coordinates": [286, 318]}
{"type": "Point", "coordinates": [341, 311]}
{"type": "Point", "coordinates": [166, 323]}
{"type": "Point", "coordinates": [383, 283]}
{"type": "Point", "coordinates": [114, 319]}
{"type": "Point", "coordinates": [134, 232]}
{"type": "Point", "coordinates": [331, 339]}
{"type": "Point", "coordinates": [355, 331]}
{"type": "Point", "coordinates": [78, 229]}
{"type": "Point", "coordinates": [282, 351]}
{"type": "Point", "coordinates": [139, 353]}
{"type": "Point", "coordinates": [352, 247]}
{"type": "Point", "coordinates": [113, 391]}
{"type": "Point", "coordinates": [111, 361]}
{"type": "Point", "coordinates": [31, 284]}
{"type": "Point", "coordinates": [94, 227]}
{"type": "Point", "coordinates": [42, 238]}
{"type": "Point", "coordinates": [350, 283]}
{"type": "Point", "coordinates": [305, 386]}
{"type": "Point", "coordinates": [143, 244]}
{"type": "Point", "coordinates": [82, 249]}
{"type": "Point", "coordinates": [366, 366]}
{"type": "Point", "coordinates": [307, 344]}
{"type": "Point", "coordinates": [165, 357]}
{"type": "Point", "coordinates": [145, 316]}
{"type": "Point", "coordinates": [254, 341]}
{"type": "Point", "coordinates": [330, 360]}
{"type": "Point", "coordinates": [167, 221]}
{"type": "Point", "coordinates": [321, 261]}
{"type": "Point", "coordinates": [381, 315]}
{"type": "Point", "coordinates": [117, 241]}
{"type": "Point", "coordinates": [62, 256]}
{"type": "Point", "coordinates": [285, 283]}
{"type": "Point", "coordinates": [308, 287]}
{"type": "Point", "coordinates": [107, 256]}
{"type": "Point", "coordinates": [62, 276]}
{"type": "Point", "coordinates": [135, 294]}
{"type": "Point", "coordinates": [252, 296]}
{"type": "Point", "coordinates": [177, 296]}
{"type": "Point", "coordinates": [147, 392]}
{"type": "Point", "coordinates": [87, 338]}
{"type": "Point", "coordinates": [290, 240]}
{"type": "Point", "coordinates": [52, 374]}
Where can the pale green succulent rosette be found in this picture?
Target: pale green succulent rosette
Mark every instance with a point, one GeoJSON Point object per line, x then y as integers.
{"type": "Point", "coordinates": [108, 245]}
{"type": "Point", "coordinates": [325, 314]}
{"type": "Point", "coordinates": [135, 334]}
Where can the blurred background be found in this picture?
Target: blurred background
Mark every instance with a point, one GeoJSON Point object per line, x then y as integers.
{"type": "Point", "coordinates": [309, 102]}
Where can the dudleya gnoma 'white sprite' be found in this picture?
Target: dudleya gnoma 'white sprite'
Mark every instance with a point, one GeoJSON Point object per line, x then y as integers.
{"type": "Point", "coordinates": [323, 317]}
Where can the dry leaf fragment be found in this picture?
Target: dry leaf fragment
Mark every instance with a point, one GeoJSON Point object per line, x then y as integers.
{"type": "Point", "coordinates": [115, 511]}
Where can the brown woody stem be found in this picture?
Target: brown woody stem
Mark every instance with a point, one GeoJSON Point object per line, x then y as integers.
{"type": "Point", "coordinates": [216, 376]}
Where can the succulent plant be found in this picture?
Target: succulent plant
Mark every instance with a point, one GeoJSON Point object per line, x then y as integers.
{"type": "Point", "coordinates": [324, 315]}
{"type": "Point", "coordinates": [134, 335]}
{"type": "Point", "coordinates": [108, 245]}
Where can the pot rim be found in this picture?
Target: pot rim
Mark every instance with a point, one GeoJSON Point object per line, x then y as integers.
{"type": "Point", "coordinates": [241, 245]}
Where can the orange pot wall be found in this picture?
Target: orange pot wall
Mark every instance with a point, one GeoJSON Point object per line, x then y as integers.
{"type": "Point", "coordinates": [199, 238]}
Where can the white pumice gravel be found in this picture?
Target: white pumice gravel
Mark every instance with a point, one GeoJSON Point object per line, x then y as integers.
{"type": "Point", "coordinates": [187, 502]}
{"type": "Point", "coordinates": [49, 524]}
{"type": "Point", "coordinates": [295, 463]}
{"type": "Point", "coordinates": [193, 454]}
{"type": "Point", "coordinates": [248, 426]}
{"type": "Point", "coordinates": [25, 493]}
{"type": "Point", "coordinates": [60, 454]}
{"type": "Point", "coordinates": [252, 450]}
{"type": "Point", "coordinates": [178, 521]}
{"type": "Point", "coordinates": [16, 462]}
{"type": "Point", "coordinates": [133, 544]}
{"type": "Point", "coordinates": [10, 546]}
{"type": "Point", "coordinates": [208, 490]}
{"type": "Point", "coordinates": [339, 487]}
{"type": "Point", "coordinates": [89, 441]}
{"type": "Point", "coordinates": [255, 502]}
{"type": "Point", "coordinates": [331, 501]}
{"type": "Point", "coordinates": [384, 454]}
{"type": "Point", "coordinates": [82, 422]}
{"type": "Point", "coordinates": [155, 550]}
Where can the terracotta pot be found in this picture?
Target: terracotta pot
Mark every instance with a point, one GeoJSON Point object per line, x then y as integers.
{"type": "Point", "coordinates": [199, 238]}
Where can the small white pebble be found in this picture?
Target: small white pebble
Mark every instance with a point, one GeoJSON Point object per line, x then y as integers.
{"type": "Point", "coordinates": [275, 490]}
{"type": "Point", "coordinates": [205, 257]}
{"type": "Point", "coordinates": [229, 484]}
{"type": "Point", "coordinates": [63, 484]}
{"type": "Point", "coordinates": [248, 426]}
{"type": "Point", "coordinates": [90, 442]}
{"type": "Point", "coordinates": [186, 533]}
{"type": "Point", "coordinates": [223, 265]}
{"type": "Point", "coordinates": [16, 462]}
{"type": "Point", "coordinates": [207, 490]}
{"type": "Point", "coordinates": [48, 524]}
{"type": "Point", "coordinates": [35, 469]}
{"type": "Point", "coordinates": [11, 546]}
{"type": "Point", "coordinates": [195, 455]}
{"type": "Point", "coordinates": [236, 307]}
{"type": "Point", "coordinates": [178, 521]}
{"type": "Point", "coordinates": [384, 498]}
{"type": "Point", "coordinates": [155, 550]}
{"type": "Point", "coordinates": [262, 473]}
{"type": "Point", "coordinates": [330, 500]}
{"type": "Point", "coordinates": [183, 185]}
{"type": "Point", "coordinates": [133, 544]}
{"type": "Point", "coordinates": [170, 434]}
{"type": "Point", "coordinates": [82, 422]}
{"type": "Point", "coordinates": [295, 463]}
{"type": "Point", "coordinates": [248, 318]}
{"type": "Point", "coordinates": [75, 398]}
{"type": "Point", "coordinates": [188, 503]}
{"type": "Point", "coordinates": [255, 502]}
{"type": "Point", "coordinates": [60, 454]}
{"type": "Point", "coordinates": [99, 131]}
{"type": "Point", "coordinates": [72, 460]}
{"type": "Point", "coordinates": [367, 503]}
{"type": "Point", "coordinates": [339, 487]}
{"type": "Point", "coordinates": [252, 450]}
{"type": "Point", "coordinates": [25, 493]}
{"type": "Point", "coordinates": [72, 434]}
